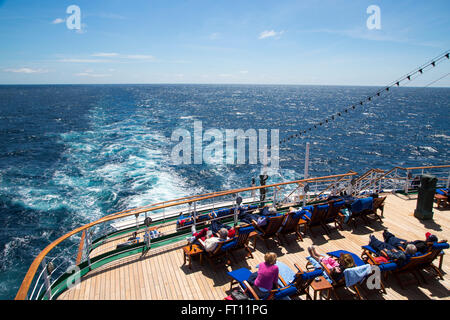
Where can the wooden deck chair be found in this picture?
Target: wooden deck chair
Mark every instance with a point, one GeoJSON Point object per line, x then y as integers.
{"type": "Point", "coordinates": [303, 280]}
{"type": "Point", "coordinates": [358, 207]}
{"type": "Point", "coordinates": [270, 230]}
{"type": "Point", "coordinates": [412, 266]}
{"type": "Point", "coordinates": [316, 218]}
{"type": "Point", "coordinates": [222, 250]}
{"type": "Point", "coordinates": [436, 250]}
{"type": "Point", "coordinates": [292, 284]}
{"type": "Point", "coordinates": [291, 224]}
{"type": "Point", "coordinates": [333, 216]}
{"type": "Point", "coordinates": [378, 203]}
{"type": "Point", "coordinates": [341, 282]}
{"type": "Point", "coordinates": [242, 235]}
{"type": "Point", "coordinates": [242, 275]}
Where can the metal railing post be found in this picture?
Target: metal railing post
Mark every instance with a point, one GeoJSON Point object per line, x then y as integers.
{"type": "Point", "coordinates": [195, 214]}
{"type": "Point", "coordinates": [406, 182]}
{"type": "Point", "coordinates": [448, 181]}
{"type": "Point", "coordinates": [88, 248]}
{"type": "Point", "coordinates": [48, 291]}
{"type": "Point", "coordinates": [274, 196]}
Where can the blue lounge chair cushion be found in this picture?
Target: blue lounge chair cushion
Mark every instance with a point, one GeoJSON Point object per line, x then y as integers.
{"type": "Point", "coordinates": [240, 275]}
{"type": "Point", "coordinates": [442, 246]}
{"type": "Point", "coordinates": [245, 230]}
{"type": "Point", "coordinates": [313, 274]}
{"type": "Point", "coordinates": [297, 214]}
{"type": "Point", "coordinates": [362, 204]}
{"type": "Point", "coordinates": [203, 217]}
{"type": "Point", "coordinates": [223, 212]}
{"type": "Point", "coordinates": [387, 266]}
{"type": "Point", "coordinates": [323, 207]}
{"type": "Point", "coordinates": [440, 191]}
{"type": "Point", "coordinates": [306, 214]}
{"type": "Point", "coordinates": [369, 248]}
{"type": "Point", "coordinates": [229, 245]}
{"type": "Point", "coordinates": [339, 203]}
{"type": "Point", "coordinates": [285, 292]}
{"type": "Point", "coordinates": [356, 259]}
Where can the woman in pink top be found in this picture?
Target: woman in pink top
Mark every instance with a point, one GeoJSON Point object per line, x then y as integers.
{"type": "Point", "coordinates": [267, 278]}
{"type": "Point", "coordinates": [331, 263]}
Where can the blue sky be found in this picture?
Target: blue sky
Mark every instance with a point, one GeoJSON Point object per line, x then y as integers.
{"type": "Point", "coordinates": [216, 41]}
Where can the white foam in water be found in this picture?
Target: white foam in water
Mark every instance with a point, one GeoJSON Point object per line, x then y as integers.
{"type": "Point", "coordinates": [100, 163]}
{"type": "Point", "coordinates": [430, 149]}
{"type": "Point", "coordinates": [441, 136]}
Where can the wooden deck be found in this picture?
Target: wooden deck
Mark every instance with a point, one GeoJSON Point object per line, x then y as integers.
{"type": "Point", "coordinates": [161, 273]}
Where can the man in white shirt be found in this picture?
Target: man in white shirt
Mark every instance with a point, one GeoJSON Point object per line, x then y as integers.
{"type": "Point", "coordinates": [211, 242]}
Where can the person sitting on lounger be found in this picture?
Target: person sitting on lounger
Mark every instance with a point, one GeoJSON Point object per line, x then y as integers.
{"type": "Point", "coordinates": [420, 245]}
{"type": "Point", "coordinates": [132, 240]}
{"type": "Point", "coordinates": [266, 278]}
{"type": "Point", "coordinates": [211, 241]}
{"type": "Point", "coordinates": [389, 251]}
{"type": "Point", "coordinates": [335, 265]}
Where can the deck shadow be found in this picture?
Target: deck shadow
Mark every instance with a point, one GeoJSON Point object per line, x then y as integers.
{"type": "Point", "coordinates": [430, 224]}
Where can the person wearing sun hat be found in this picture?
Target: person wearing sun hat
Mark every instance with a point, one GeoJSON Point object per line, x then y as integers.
{"type": "Point", "coordinates": [430, 237]}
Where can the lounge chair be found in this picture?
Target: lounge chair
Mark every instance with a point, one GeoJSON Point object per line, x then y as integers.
{"type": "Point", "coordinates": [333, 216]}
{"type": "Point", "coordinates": [378, 204]}
{"type": "Point", "coordinates": [341, 282]}
{"type": "Point", "coordinates": [242, 235]}
{"type": "Point", "coordinates": [358, 207]}
{"type": "Point", "coordinates": [291, 224]}
{"type": "Point", "coordinates": [442, 197]}
{"type": "Point", "coordinates": [270, 230]}
{"type": "Point", "coordinates": [316, 217]}
{"type": "Point", "coordinates": [413, 265]}
{"type": "Point", "coordinates": [291, 284]}
{"type": "Point", "coordinates": [222, 250]}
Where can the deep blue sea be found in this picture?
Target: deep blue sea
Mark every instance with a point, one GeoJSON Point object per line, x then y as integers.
{"type": "Point", "coordinates": [70, 154]}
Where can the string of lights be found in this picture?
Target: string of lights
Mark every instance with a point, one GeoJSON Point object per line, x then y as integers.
{"type": "Point", "coordinates": [406, 78]}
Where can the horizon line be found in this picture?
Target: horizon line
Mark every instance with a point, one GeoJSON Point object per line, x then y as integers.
{"type": "Point", "coordinates": [212, 84]}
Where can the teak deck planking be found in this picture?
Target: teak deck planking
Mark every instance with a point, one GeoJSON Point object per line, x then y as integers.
{"type": "Point", "coordinates": [160, 274]}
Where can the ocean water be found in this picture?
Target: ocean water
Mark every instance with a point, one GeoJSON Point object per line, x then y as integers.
{"type": "Point", "coordinates": [72, 154]}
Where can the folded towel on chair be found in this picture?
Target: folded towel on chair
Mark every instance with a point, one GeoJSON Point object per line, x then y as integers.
{"type": "Point", "coordinates": [357, 274]}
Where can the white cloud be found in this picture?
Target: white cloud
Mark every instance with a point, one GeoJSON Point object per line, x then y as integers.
{"type": "Point", "coordinates": [85, 60]}
{"type": "Point", "coordinates": [105, 54]}
{"type": "Point", "coordinates": [243, 72]}
{"type": "Point", "coordinates": [140, 57]}
{"type": "Point", "coordinates": [26, 70]}
{"type": "Point", "coordinates": [58, 21]}
{"type": "Point", "coordinates": [269, 34]}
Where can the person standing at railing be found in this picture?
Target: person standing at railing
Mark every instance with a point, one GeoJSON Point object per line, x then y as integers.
{"type": "Point", "coordinates": [262, 181]}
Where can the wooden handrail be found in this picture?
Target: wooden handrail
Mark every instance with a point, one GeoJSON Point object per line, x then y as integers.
{"type": "Point", "coordinates": [23, 290]}
{"type": "Point", "coordinates": [80, 248]}
{"type": "Point", "coordinates": [332, 185]}
{"type": "Point", "coordinates": [429, 167]}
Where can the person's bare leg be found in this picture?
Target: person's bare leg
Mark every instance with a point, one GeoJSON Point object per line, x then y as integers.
{"type": "Point", "coordinates": [313, 253]}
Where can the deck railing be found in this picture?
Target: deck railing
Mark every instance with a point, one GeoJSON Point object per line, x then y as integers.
{"type": "Point", "coordinates": [67, 259]}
